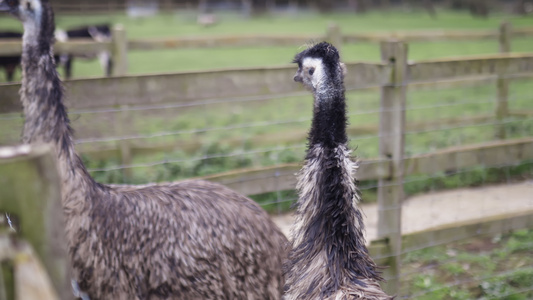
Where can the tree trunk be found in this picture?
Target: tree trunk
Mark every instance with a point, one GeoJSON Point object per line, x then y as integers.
{"type": "Point", "coordinates": [202, 6]}
{"type": "Point", "coordinates": [293, 4]}
{"type": "Point", "coordinates": [246, 7]}
{"type": "Point", "coordinates": [520, 7]}
{"type": "Point", "coordinates": [430, 8]}
{"type": "Point", "coordinates": [479, 8]}
{"type": "Point", "coordinates": [270, 5]}
{"type": "Point", "coordinates": [457, 4]}
{"type": "Point", "coordinates": [358, 6]}
{"type": "Point", "coordinates": [385, 4]}
{"type": "Point", "coordinates": [324, 5]}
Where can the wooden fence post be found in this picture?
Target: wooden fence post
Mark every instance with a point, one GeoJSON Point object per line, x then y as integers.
{"type": "Point", "coordinates": [124, 146]}
{"type": "Point", "coordinates": [30, 192]}
{"type": "Point", "coordinates": [119, 52]}
{"type": "Point", "coordinates": [120, 67]}
{"type": "Point", "coordinates": [502, 106]}
{"type": "Point", "coordinates": [391, 145]}
{"type": "Point", "coordinates": [334, 36]}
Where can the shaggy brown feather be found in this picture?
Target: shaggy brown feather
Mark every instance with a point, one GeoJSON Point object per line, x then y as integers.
{"type": "Point", "coordinates": [184, 240]}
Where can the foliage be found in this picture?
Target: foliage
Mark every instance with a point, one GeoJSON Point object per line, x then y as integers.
{"type": "Point", "coordinates": [472, 269]}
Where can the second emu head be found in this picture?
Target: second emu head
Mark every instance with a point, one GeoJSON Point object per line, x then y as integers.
{"type": "Point", "coordinates": [318, 65]}
{"type": "Point", "coordinates": [21, 9]}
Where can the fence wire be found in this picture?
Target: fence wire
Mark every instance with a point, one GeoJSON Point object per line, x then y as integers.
{"type": "Point", "coordinates": [255, 132]}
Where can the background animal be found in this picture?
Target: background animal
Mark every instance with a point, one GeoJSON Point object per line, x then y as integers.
{"type": "Point", "coordinates": [185, 240]}
{"type": "Point", "coordinates": [10, 62]}
{"type": "Point", "coordinates": [329, 259]}
{"type": "Point", "coordinates": [99, 33]}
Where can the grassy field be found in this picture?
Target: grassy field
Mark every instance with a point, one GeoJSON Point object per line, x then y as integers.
{"type": "Point", "coordinates": [494, 267]}
{"type": "Point", "coordinates": [273, 131]}
{"type": "Point", "coordinates": [184, 24]}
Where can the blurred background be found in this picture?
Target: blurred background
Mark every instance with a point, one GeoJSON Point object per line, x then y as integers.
{"type": "Point", "coordinates": [204, 89]}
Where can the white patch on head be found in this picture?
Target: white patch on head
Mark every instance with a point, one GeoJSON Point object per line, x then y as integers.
{"type": "Point", "coordinates": [31, 19]}
{"type": "Point", "coordinates": [317, 66]}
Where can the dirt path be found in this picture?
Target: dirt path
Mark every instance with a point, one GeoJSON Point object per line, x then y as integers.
{"type": "Point", "coordinates": [445, 207]}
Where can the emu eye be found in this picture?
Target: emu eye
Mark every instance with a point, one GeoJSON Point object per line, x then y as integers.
{"type": "Point", "coordinates": [311, 71]}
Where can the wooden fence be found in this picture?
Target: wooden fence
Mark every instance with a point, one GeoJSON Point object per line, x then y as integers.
{"type": "Point", "coordinates": [30, 197]}
{"type": "Point", "coordinates": [120, 45]}
{"type": "Point", "coordinates": [392, 76]}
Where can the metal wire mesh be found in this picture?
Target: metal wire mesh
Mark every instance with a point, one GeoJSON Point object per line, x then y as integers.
{"type": "Point", "coordinates": [172, 142]}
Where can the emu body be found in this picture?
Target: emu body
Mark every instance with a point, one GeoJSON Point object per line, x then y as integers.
{"type": "Point", "coordinates": [329, 259]}
{"type": "Point", "coordinates": [185, 240]}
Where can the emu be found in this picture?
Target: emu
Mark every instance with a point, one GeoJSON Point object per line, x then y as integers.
{"type": "Point", "coordinates": [11, 62]}
{"type": "Point", "coordinates": [185, 240]}
{"type": "Point", "coordinates": [99, 33]}
{"type": "Point", "coordinates": [329, 259]}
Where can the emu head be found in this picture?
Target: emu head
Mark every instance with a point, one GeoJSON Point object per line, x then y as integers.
{"type": "Point", "coordinates": [24, 10]}
{"type": "Point", "coordinates": [319, 66]}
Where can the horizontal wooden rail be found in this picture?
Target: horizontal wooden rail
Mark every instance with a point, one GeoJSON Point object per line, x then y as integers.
{"type": "Point", "coordinates": [466, 81]}
{"type": "Point", "coordinates": [221, 41]}
{"type": "Point", "coordinates": [187, 87]}
{"type": "Point", "coordinates": [77, 47]}
{"type": "Point", "coordinates": [297, 40]}
{"type": "Point", "coordinates": [434, 36]}
{"type": "Point", "coordinates": [139, 147]}
{"type": "Point", "coordinates": [490, 154]}
{"type": "Point", "coordinates": [282, 177]}
{"type": "Point", "coordinates": [442, 69]}
{"type": "Point", "coordinates": [89, 46]}
{"type": "Point", "coordinates": [425, 36]}
{"type": "Point", "coordinates": [449, 233]}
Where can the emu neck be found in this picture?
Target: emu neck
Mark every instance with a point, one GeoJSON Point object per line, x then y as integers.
{"type": "Point", "coordinates": [328, 234]}
{"type": "Point", "coordinates": [328, 127]}
{"type": "Point", "coordinates": [46, 119]}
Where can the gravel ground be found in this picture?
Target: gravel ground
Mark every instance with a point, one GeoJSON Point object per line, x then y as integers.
{"type": "Point", "coordinates": [440, 208]}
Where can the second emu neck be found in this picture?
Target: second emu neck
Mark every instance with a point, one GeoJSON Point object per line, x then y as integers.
{"type": "Point", "coordinates": [46, 119]}
{"type": "Point", "coordinates": [328, 127]}
{"type": "Point", "coordinates": [329, 228]}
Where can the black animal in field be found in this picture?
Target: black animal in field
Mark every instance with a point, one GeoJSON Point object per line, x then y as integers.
{"type": "Point", "coordinates": [100, 33]}
{"type": "Point", "coordinates": [10, 62]}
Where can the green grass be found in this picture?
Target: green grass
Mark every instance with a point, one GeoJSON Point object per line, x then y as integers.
{"type": "Point", "coordinates": [257, 145]}
{"type": "Point", "coordinates": [285, 142]}
{"type": "Point", "coordinates": [496, 267]}
{"type": "Point", "coordinates": [184, 24]}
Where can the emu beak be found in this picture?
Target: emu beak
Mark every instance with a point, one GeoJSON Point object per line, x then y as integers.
{"type": "Point", "coordinates": [344, 69]}
{"type": "Point", "coordinates": [297, 78]}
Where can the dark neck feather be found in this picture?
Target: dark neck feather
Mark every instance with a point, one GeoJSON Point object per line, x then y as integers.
{"type": "Point", "coordinates": [46, 119]}
{"type": "Point", "coordinates": [333, 223]}
{"type": "Point", "coordinates": [328, 127]}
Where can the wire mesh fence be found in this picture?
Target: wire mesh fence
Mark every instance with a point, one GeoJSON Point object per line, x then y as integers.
{"type": "Point", "coordinates": [194, 139]}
